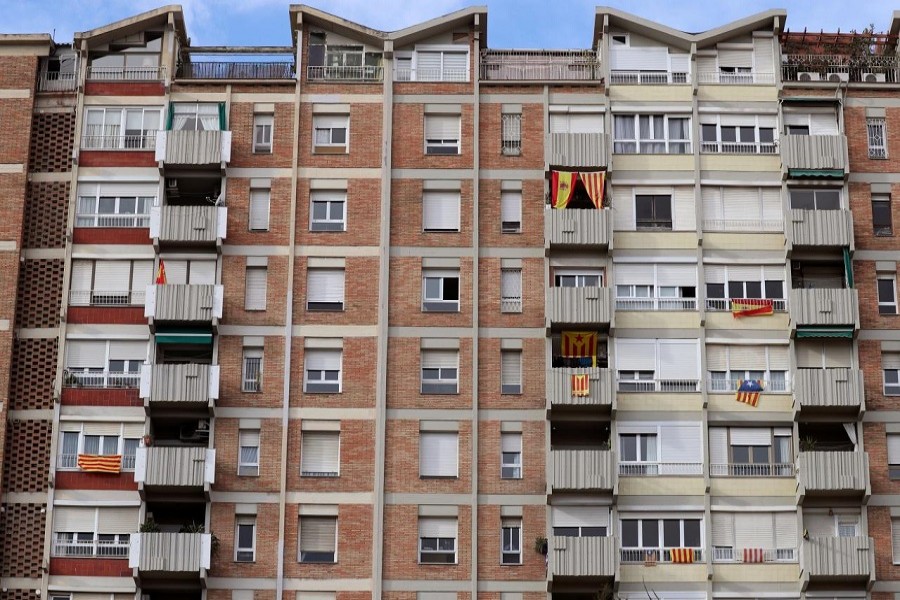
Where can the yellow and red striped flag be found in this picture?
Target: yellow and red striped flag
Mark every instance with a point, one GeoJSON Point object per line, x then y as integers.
{"type": "Point", "coordinates": [593, 183]}
{"type": "Point", "coordinates": [580, 386]}
{"type": "Point", "coordinates": [95, 463]}
{"type": "Point", "coordinates": [161, 273]}
{"type": "Point", "coordinates": [682, 555]}
{"type": "Point", "coordinates": [748, 391]}
{"type": "Point", "coordinates": [580, 344]}
{"type": "Point", "coordinates": [751, 307]}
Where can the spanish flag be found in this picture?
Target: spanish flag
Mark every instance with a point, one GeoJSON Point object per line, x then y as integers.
{"type": "Point", "coordinates": [751, 307]}
{"type": "Point", "coordinates": [682, 555]}
{"type": "Point", "coordinates": [580, 344]}
{"type": "Point", "coordinates": [562, 185]}
{"type": "Point", "coordinates": [95, 463]}
{"type": "Point", "coordinates": [580, 386]}
{"type": "Point", "coordinates": [161, 273]}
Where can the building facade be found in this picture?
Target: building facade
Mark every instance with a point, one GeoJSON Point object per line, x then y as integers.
{"type": "Point", "coordinates": [398, 315]}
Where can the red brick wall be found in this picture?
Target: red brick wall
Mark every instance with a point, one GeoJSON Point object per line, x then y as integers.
{"type": "Point", "coordinates": [354, 548]}
{"type": "Point", "coordinates": [360, 294]}
{"type": "Point", "coordinates": [270, 460]}
{"type": "Point", "coordinates": [405, 296]}
{"type": "Point", "coordinates": [231, 356]}
{"type": "Point", "coordinates": [401, 465]}
{"type": "Point", "coordinates": [404, 377]}
{"type": "Point", "coordinates": [362, 217]}
{"type": "Point", "coordinates": [358, 375]}
{"type": "Point", "coordinates": [401, 553]}
{"type": "Point", "coordinates": [357, 454]}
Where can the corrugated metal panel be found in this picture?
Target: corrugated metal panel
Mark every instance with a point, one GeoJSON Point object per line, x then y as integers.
{"type": "Point", "coordinates": [839, 556]}
{"type": "Point", "coordinates": [834, 471]}
{"type": "Point", "coordinates": [195, 147]}
{"type": "Point", "coordinates": [572, 227]}
{"type": "Point", "coordinates": [173, 552]}
{"type": "Point", "coordinates": [582, 469]}
{"type": "Point", "coordinates": [575, 305]}
{"type": "Point", "coordinates": [600, 387]}
{"type": "Point", "coordinates": [577, 150]}
{"type": "Point", "coordinates": [175, 466]}
{"type": "Point", "coordinates": [825, 307]}
{"type": "Point", "coordinates": [829, 388]}
{"type": "Point", "coordinates": [582, 556]}
{"type": "Point", "coordinates": [185, 303]}
{"type": "Point", "coordinates": [814, 151]}
{"type": "Point", "coordinates": [180, 383]}
{"type": "Point", "coordinates": [190, 224]}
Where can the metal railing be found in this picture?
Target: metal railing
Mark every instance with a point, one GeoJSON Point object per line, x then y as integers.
{"type": "Point", "coordinates": [345, 73]}
{"type": "Point", "coordinates": [739, 148]}
{"type": "Point", "coordinates": [55, 81]}
{"type": "Point", "coordinates": [836, 68]}
{"type": "Point", "coordinates": [743, 78]}
{"type": "Point", "coordinates": [654, 555]}
{"type": "Point", "coordinates": [752, 470]}
{"type": "Point", "coordinates": [511, 304]}
{"type": "Point", "coordinates": [70, 461]}
{"type": "Point", "coordinates": [102, 379]}
{"type": "Point", "coordinates": [115, 141]}
{"type": "Point", "coordinates": [141, 73]}
{"type": "Point", "coordinates": [724, 304]}
{"type": "Point", "coordinates": [754, 555]}
{"type": "Point", "coordinates": [654, 468]}
{"type": "Point", "coordinates": [656, 304]}
{"type": "Point", "coordinates": [659, 385]}
{"type": "Point", "coordinates": [731, 385]}
{"type": "Point", "coordinates": [106, 298]}
{"type": "Point", "coordinates": [648, 77]}
{"type": "Point", "coordinates": [539, 65]}
{"type": "Point", "coordinates": [90, 548]}
{"type": "Point", "coordinates": [236, 70]}
{"type": "Point", "coordinates": [111, 220]}
{"type": "Point", "coordinates": [743, 225]}
{"type": "Point", "coordinates": [431, 74]}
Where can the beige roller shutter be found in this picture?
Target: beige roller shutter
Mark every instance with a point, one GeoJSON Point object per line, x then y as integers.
{"type": "Point", "coordinates": [73, 518]}
{"type": "Point", "coordinates": [118, 519]}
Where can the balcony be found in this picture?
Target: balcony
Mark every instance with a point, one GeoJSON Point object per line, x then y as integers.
{"type": "Point", "coordinates": [725, 554]}
{"type": "Point", "coordinates": [111, 137]}
{"type": "Point", "coordinates": [820, 228]}
{"type": "Point", "coordinates": [582, 556]}
{"type": "Point", "coordinates": [825, 307]}
{"type": "Point", "coordinates": [190, 386]}
{"type": "Point", "coordinates": [189, 224]}
{"type": "Point", "coordinates": [224, 70]}
{"type": "Point", "coordinates": [129, 74]}
{"type": "Point", "coordinates": [660, 469]}
{"type": "Point", "coordinates": [578, 150]}
{"type": "Point", "coordinates": [724, 304]}
{"type": "Point", "coordinates": [834, 473]}
{"type": "Point", "coordinates": [100, 379]}
{"type": "Point", "coordinates": [738, 148]}
{"type": "Point", "coordinates": [623, 77]}
{"type": "Point", "coordinates": [573, 228]}
{"type": "Point", "coordinates": [813, 153]}
{"type": "Point", "coordinates": [656, 304]}
{"type": "Point", "coordinates": [540, 65]}
{"type": "Point", "coordinates": [193, 148]}
{"type": "Point", "coordinates": [579, 305]}
{"type": "Point", "coordinates": [165, 554]}
{"type": "Point", "coordinates": [653, 556]}
{"type": "Point", "coordinates": [600, 392]}
{"type": "Point", "coordinates": [345, 74]}
{"type": "Point", "coordinates": [837, 68]}
{"type": "Point", "coordinates": [184, 303]}
{"type": "Point", "coordinates": [830, 558]}
{"type": "Point", "coordinates": [751, 470]}
{"type": "Point", "coordinates": [175, 468]}
{"type": "Point", "coordinates": [742, 78]}
{"type": "Point", "coordinates": [837, 389]}
{"type": "Point", "coordinates": [649, 386]}
{"type": "Point", "coordinates": [582, 470]}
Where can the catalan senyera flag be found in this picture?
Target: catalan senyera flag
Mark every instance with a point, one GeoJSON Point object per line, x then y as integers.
{"type": "Point", "coordinates": [751, 307]}
{"type": "Point", "coordinates": [748, 391]}
{"type": "Point", "coordinates": [580, 386]}
{"type": "Point", "coordinates": [594, 184]}
{"type": "Point", "coordinates": [682, 555]}
{"type": "Point", "coordinates": [161, 273]}
{"type": "Point", "coordinates": [95, 463]}
{"type": "Point", "coordinates": [580, 344]}
{"type": "Point", "coordinates": [753, 555]}
{"type": "Point", "coordinates": [562, 184]}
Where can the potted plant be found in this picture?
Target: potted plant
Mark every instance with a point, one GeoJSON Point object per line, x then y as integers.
{"type": "Point", "coordinates": [149, 526]}
{"type": "Point", "coordinates": [808, 444]}
{"type": "Point", "coordinates": [194, 527]}
{"type": "Point", "coordinates": [540, 545]}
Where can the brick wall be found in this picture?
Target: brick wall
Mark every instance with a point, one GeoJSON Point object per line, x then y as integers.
{"type": "Point", "coordinates": [404, 377]}
{"type": "Point", "coordinates": [401, 464]}
{"type": "Point", "coordinates": [401, 553]}
{"type": "Point", "coordinates": [22, 539]}
{"type": "Point", "coordinates": [357, 456]}
{"type": "Point", "coordinates": [358, 375]}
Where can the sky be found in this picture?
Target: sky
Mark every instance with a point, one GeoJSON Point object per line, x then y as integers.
{"type": "Point", "coordinates": [511, 23]}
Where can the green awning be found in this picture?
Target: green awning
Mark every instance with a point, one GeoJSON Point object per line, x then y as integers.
{"type": "Point", "coordinates": [816, 99]}
{"type": "Point", "coordinates": [827, 173]}
{"type": "Point", "coordinates": [825, 332]}
{"type": "Point", "coordinates": [183, 336]}
{"type": "Point", "coordinates": [848, 267]}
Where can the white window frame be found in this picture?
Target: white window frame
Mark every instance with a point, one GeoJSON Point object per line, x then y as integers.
{"type": "Point", "coordinates": [320, 305]}
{"type": "Point", "coordinates": [510, 461]}
{"type": "Point", "coordinates": [193, 111]}
{"type": "Point", "coordinates": [890, 389]}
{"type": "Point", "coordinates": [637, 141]}
{"type": "Point", "coordinates": [439, 303]}
{"type": "Point", "coordinates": [511, 134]}
{"type": "Point", "coordinates": [256, 304]}
{"type": "Point", "coordinates": [244, 521]}
{"type": "Point", "coordinates": [121, 140]}
{"type": "Point", "coordinates": [248, 469]}
{"type": "Point", "coordinates": [513, 529]}
{"type": "Point", "coordinates": [756, 146]}
{"type": "Point", "coordinates": [892, 304]}
{"type": "Point", "coordinates": [263, 133]}
{"type": "Point", "coordinates": [308, 561]}
{"type": "Point", "coordinates": [729, 383]}
{"type": "Point", "coordinates": [660, 518]}
{"type": "Point", "coordinates": [417, 74]}
{"type": "Point", "coordinates": [325, 385]}
{"type": "Point", "coordinates": [131, 293]}
{"type": "Point", "coordinates": [304, 440]}
{"type": "Point", "coordinates": [69, 462]}
{"type": "Point", "coordinates": [435, 146]}
{"type": "Point", "coordinates": [446, 376]}
{"type": "Point", "coordinates": [581, 277]}
{"type": "Point", "coordinates": [875, 127]}
{"type": "Point", "coordinates": [99, 375]}
{"type": "Point", "coordinates": [258, 195]}
{"type": "Point", "coordinates": [422, 552]}
{"type": "Point", "coordinates": [252, 370]}
{"type": "Point", "coordinates": [511, 387]}
{"type": "Point", "coordinates": [328, 198]}
{"type": "Point", "coordinates": [94, 218]}
{"type": "Point", "coordinates": [330, 146]}
{"type": "Point", "coordinates": [511, 206]}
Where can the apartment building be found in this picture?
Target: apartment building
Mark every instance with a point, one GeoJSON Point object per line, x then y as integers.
{"type": "Point", "coordinates": [401, 315]}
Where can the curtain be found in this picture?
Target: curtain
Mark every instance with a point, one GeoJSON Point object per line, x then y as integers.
{"type": "Point", "coordinates": [208, 115]}
{"type": "Point", "coordinates": [623, 133]}
{"type": "Point", "coordinates": [593, 184]}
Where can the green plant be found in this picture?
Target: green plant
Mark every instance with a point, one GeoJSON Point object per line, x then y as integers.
{"type": "Point", "coordinates": [149, 526]}
{"type": "Point", "coordinates": [808, 443]}
{"type": "Point", "coordinates": [194, 527]}
{"type": "Point", "coordinates": [540, 545]}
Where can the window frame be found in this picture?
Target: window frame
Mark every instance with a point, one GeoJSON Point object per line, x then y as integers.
{"type": "Point", "coordinates": [304, 440]}
{"type": "Point", "coordinates": [115, 219]}
{"type": "Point", "coordinates": [322, 385]}
{"type": "Point", "coordinates": [262, 121]}
{"type": "Point", "coordinates": [251, 384]}
{"type": "Point", "coordinates": [328, 224]}
{"type": "Point", "coordinates": [440, 304]}
{"type": "Point", "coordinates": [816, 192]}
{"type": "Point", "coordinates": [442, 146]}
{"type": "Point", "coordinates": [884, 229]}
{"type": "Point", "coordinates": [318, 560]}
{"type": "Point", "coordinates": [886, 384]}
{"type": "Point", "coordinates": [509, 197]}
{"type": "Point", "coordinates": [330, 146]}
{"type": "Point", "coordinates": [636, 143]}
{"type": "Point", "coordinates": [514, 528]}
{"type": "Point", "coordinates": [259, 305]}
{"type": "Point", "coordinates": [321, 306]}
{"type": "Point", "coordinates": [248, 469]}
{"type": "Point", "coordinates": [441, 384]}
{"type": "Point", "coordinates": [511, 134]}
{"type": "Point", "coordinates": [886, 307]}
{"type": "Point", "coordinates": [239, 522]}
{"type": "Point", "coordinates": [511, 304]}
{"type": "Point", "coordinates": [876, 126]}
{"type": "Point", "coordinates": [67, 462]}
{"type": "Point", "coordinates": [437, 551]}
{"type": "Point", "coordinates": [655, 224]}
{"type": "Point", "coordinates": [508, 388]}
{"type": "Point", "coordinates": [259, 195]}
{"type": "Point", "coordinates": [143, 141]}
{"type": "Point", "coordinates": [195, 115]}
{"type": "Point", "coordinates": [511, 463]}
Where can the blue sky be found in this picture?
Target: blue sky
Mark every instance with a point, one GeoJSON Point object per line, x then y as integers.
{"type": "Point", "coordinates": [511, 23]}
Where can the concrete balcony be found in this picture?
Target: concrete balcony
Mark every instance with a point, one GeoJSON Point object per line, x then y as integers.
{"type": "Point", "coordinates": [814, 153]}
{"type": "Point", "coordinates": [188, 386]}
{"type": "Point", "coordinates": [582, 470]}
{"type": "Point", "coordinates": [601, 388]}
{"type": "Point", "coordinates": [589, 306]}
{"type": "Point", "coordinates": [193, 148]}
{"type": "Point", "coordinates": [170, 555]}
{"type": "Point", "coordinates": [839, 559]}
{"type": "Point", "coordinates": [573, 228]}
{"type": "Point", "coordinates": [577, 150]}
{"type": "Point", "coordinates": [829, 389]}
{"type": "Point", "coordinates": [175, 469]}
{"type": "Point", "coordinates": [825, 307]}
{"type": "Point", "coordinates": [184, 303]}
{"type": "Point", "coordinates": [818, 228]}
{"type": "Point", "coordinates": [189, 225]}
{"type": "Point", "coordinates": [833, 474]}
{"type": "Point", "coordinates": [582, 556]}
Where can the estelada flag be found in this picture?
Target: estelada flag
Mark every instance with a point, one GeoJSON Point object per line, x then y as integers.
{"type": "Point", "coordinates": [751, 307]}
{"type": "Point", "coordinates": [580, 386]}
{"type": "Point", "coordinates": [562, 185]}
{"type": "Point", "coordinates": [161, 273]}
{"type": "Point", "coordinates": [580, 344]}
{"type": "Point", "coordinates": [748, 391]}
{"type": "Point", "coordinates": [95, 463]}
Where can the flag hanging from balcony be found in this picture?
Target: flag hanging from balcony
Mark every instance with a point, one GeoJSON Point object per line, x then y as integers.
{"type": "Point", "coordinates": [562, 185]}
{"type": "Point", "coordinates": [682, 555]}
{"type": "Point", "coordinates": [748, 391]}
{"type": "Point", "coordinates": [95, 463]}
{"type": "Point", "coordinates": [161, 273]}
{"type": "Point", "coordinates": [753, 555]}
{"type": "Point", "coordinates": [751, 307]}
{"type": "Point", "coordinates": [581, 345]}
{"type": "Point", "coordinates": [593, 184]}
{"type": "Point", "coordinates": [580, 386]}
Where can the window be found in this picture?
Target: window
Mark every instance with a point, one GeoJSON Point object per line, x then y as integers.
{"type": "Point", "coordinates": [325, 289]}
{"type": "Point", "coordinates": [729, 364]}
{"type": "Point", "coordinates": [585, 278]}
{"type": "Point", "coordinates": [86, 543]}
{"type": "Point", "coordinates": [262, 133]}
{"type": "Point", "coordinates": [640, 535]}
{"type": "Point", "coordinates": [197, 116]}
{"type": "Point", "coordinates": [347, 62]}
{"type": "Point", "coordinates": [440, 211]}
{"type": "Point", "coordinates": [638, 454]}
{"type": "Point", "coordinates": [651, 134]}
{"type": "Point", "coordinates": [260, 199]}
{"type": "Point", "coordinates": [511, 540]}
{"type": "Point", "coordinates": [320, 453]}
{"type": "Point", "coordinates": [580, 521]}
{"type": "Point", "coordinates": [511, 290]}
{"type": "Point", "coordinates": [120, 128]}
{"type": "Point", "coordinates": [318, 539]}
{"type": "Point", "coordinates": [511, 372]}
{"type": "Point", "coordinates": [328, 210]}
{"type": "Point", "coordinates": [331, 134]}
{"type": "Point", "coordinates": [891, 382]}
{"type": "Point", "coordinates": [882, 221]}
{"type": "Point", "coordinates": [435, 65]}
{"type": "Point", "coordinates": [511, 211]}
{"type": "Point", "coordinates": [255, 290]}
{"type": "Point", "coordinates": [440, 371]}
{"type": "Point", "coordinates": [665, 365]}
{"type": "Point", "coordinates": [437, 540]}
{"type": "Point", "coordinates": [729, 208]}
{"type": "Point", "coordinates": [124, 442]}
{"type": "Point", "coordinates": [751, 451]}
{"type": "Point", "coordinates": [815, 199]}
{"type": "Point", "coordinates": [323, 371]}
{"type": "Point", "coordinates": [511, 134]}
{"type": "Point", "coordinates": [104, 363]}
{"type": "Point", "coordinates": [893, 452]}
{"type": "Point", "coordinates": [245, 539]}
{"type": "Point", "coordinates": [725, 283]}
{"type": "Point", "coordinates": [877, 136]}
{"type": "Point", "coordinates": [887, 294]}
{"type": "Point", "coordinates": [248, 452]}
{"type": "Point", "coordinates": [895, 540]}
{"type": "Point", "coordinates": [109, 282]}
{"type": "Point", "coordinates": [438, 454]}
{"type": "Point", "coordinates": [754, 135]}
{"type": "Point", "coordinates": [797, 130]}
{"type": "Point", "coordinates": [115, 205]}
{"type": "Point", "coordinates": [442, 133]}
{"type": "Point", "coordinates": [656, 286]}
{"type": "Point", "coordinates": [251, 377]}
{"type": "Point", "coordinates": [440, 291]}
{"type": "Point", "coordinates": [653, 211]}
{"type": "Point", "coordinates": [773, 536]}
{"type": "Point", "coordinates": [510, 456]}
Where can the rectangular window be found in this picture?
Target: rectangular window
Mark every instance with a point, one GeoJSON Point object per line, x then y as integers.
{"type": "Point", "coordinates": [891, 383]}
{"type": "Point", "coordinates": [197, 116]}
{"type": "Point", "coordinates": [510, 456]}
{"type": "Point", "coordinates": [323, 371]}
{"type": "Point", "coordinates": [318, 539]}
{"type": "Point", "coordinates": [440, 65]}
{"type": "Point", "coordinates": [442, 134]}
{"type": "Point", "coordinates": [511, 211]}
{"type": "Point", "coordinates": [877, 137]}
{"type": "Point", "coordinates": [440, 291]}
{"type": "Point", "coordinates": [653, 211]}
{"type": "Point", "coordinates": [887, 294]}
{"type": "Point", "coordinates": [510, 290]}
{"type": "Point", "coordinates": [320, 453]}
{"type": "Point", "coordinates": [511, 372]}
{"type": "Point", "coordinates": [260, 199]}
{"type": "Point", "coordinates": [120, 128]}
{"type": "Point", "coordinates": [109, 282]}
{"type": "Point", "coordinates": [328, 210]}
{"type": "Point", "coordinates": [511, 134]}
{"type": "Point", "coordinates": [895, 540]}
{"type": "Point", "coordinates": [882, 221]}
{"type": "Point", "coordinates": [248, 452]}
{"type": "Point", "coordinates": [749, 138]}
{"type": "Point", "coordinates": [893, 455]}
{"type": "Point", "coordinates": [651, 134]}
{"type": "Point", "coordinates": [815, 199]}
{"type": "Point", "coordinates": [331, 134]}
{"type": "Point", "coordinates": [245, 539]}
{"type": "Point", "coordinates": [115, 205]}
{"type": "Point", "coordinates": [325, 289]}
{"type": "Point", "coordinates": [511, 540]}
{"type": "Point", "coordinates": [437, 540]}
{"type": "Point", "coordinates": [639, 454]}
{"type": "Point", "coordinates": [255, 281]}
{"type": "Point", "coordinates": [440, 211]}
{"type": "Point", "coordinates": [438, 454]}
{"type": "Point", "coordinates": [440, 371]}
{"type": "Point", "coordinates": [251, 376]}
{"type": "Point", "coordinates": [262, 133]}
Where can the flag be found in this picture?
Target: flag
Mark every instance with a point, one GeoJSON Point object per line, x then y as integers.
{"type": "Point", "coordinates": [580, 386]}
{"type": "Point", "coordinates": [95, 463]}
{"type": "Point", "coordinates": [751, 307]}
{"type": "Point", "coordinates": [753, 555]}
{"type": "Point", "coordinates": [562, 184]}
{"type": "Point", "coordinates": [682, 555]}
{"type": "Point", "coordinates": [161, 273]}
{"type": "Point", "coordinates": [593, 184]}
{"type": "Point", "coordinates": [580, 344]}
{"type": "Point", "coordinates": [748, 391]}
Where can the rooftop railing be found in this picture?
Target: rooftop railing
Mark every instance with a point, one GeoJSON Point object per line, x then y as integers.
{"type": "Point", "coordinates": [837, 68]}
{"type": "Point", "coordinates": [539, 65]}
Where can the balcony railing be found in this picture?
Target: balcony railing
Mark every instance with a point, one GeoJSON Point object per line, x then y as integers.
{"type": "Point", "coordinates": [815, 152]}
{"type": "Point", "coordinates": [656, 304]}
{"type": "Point", "coordinates": [577, 305]}
{"type": "Point", "coordinates": [724, 304]}
{"type": "Point", "coordinates": [578, 150]}
{"type": "Point", "coordinates": [582, 556]}
{"type": "Point", "coordinates": [744, 78]}
{"type": "Point", "coordinates": [743, 225]}
{"type": "Point", "coordinates": [101, 379]}
{"type": "Point", "coordinates": [110, 137]}
{"type": "Point", "coordinates": [719, 386]}
{"type": "Point", "coordinates": [829, 557]}
{"type": "Point", "coordinates": [70, 462]}
{"type": "Point", "coordinates": [140, 73]}
{"type": "Point", "coordinates": [189, 224]}
{"type": "Point", "coordinates": [825, 306]}
{"type": "Point", "coordinates": [540, 65]}
{"type": "Point", "coordinates": [511, 304]}
{"type": "Point", "coordinates": [163, 553]}
{"type": "Point", "coordinates": [738, 148]}
{"type": "Point", "coordinates": [367, 73]}
{"type": "Point", "coordinates": [571, 227]}
{"type": "Point", "coordinates": [180, 385]}
{"type": "Point", "coordinates": [193, 148]}
{"type": "Point", "coordinates": [836, 68]}
{"type": "Point", "coordinates": [829, 388]}
{"type": "Point", "coordinates": [175, 466]}
{"type": "Point", "coordinates": [55, 81]}
{"type": "Point", "coordinates": [722, 554]}
{"type": "Point", "coordinates": [652, 556]}
{"type": "Point", "coordinates": [648, 78]}
{"type": "Point", "coordinates": [236, 70]}
{"type": "Point", "coordinates": [820, 227]}
{"type": "Point", "coordinates": [106, 298]}
{"type": "Point", "coordinates": [582, 470]}
{"type": "Point", "coordinates": [751, 470]}
{"type": "Point", "coordinates": [184, 302]}
{"type": "Point", "coordinates": [600, 387]}
{"type": "Point", "coordinates": [112, 220]}
{"type": "Point", "coordinates": [659, 385]}
{"type": "Point", "coordinates": [436, 74]}
{"type": "Point", "coordinates": [834, 472]}
{"type": "Point", "coordinates": [652, 469]}
{"type": "Point", "coordinates": [95, 548]}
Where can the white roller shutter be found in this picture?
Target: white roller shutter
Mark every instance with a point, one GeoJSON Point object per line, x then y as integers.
{"type": "Point", "coordinates": [256, 288]}
{"type": "Point", "coordinates": [437, 527]}
{"type": "Point", "coordinates": [681, 444]}
{"type": "Point", "coordinates": [511, 207]}
{"type": "Point", "coordinates": [129, 189]}
{"type": "Point", "coordinates": [751, 436]}
{"type": "Point", "coordinates": [112, 276]}
{"type": "Point", "coordinates": [796, 118]}
{"type": "Point", "coordinates": [132, 430]}
{"type": "Point", "coordinates": [678, 359]}
{"type": "Point", "coordinates": [82, 279]}
{"type": "Point", "coordinates": [440, 211]}
{"type": "Point", "coordinates": [635, 355]}
{"type": "Point", "coordinates": [735, 58]}
{"type": "Point", "coordinates": [325, 285]}
{"type": "Point", "coordinates": [893, 448]}
{"type": "Point", "coordinates": [646, 58]}
{"type": "Point", "coordinates": [706, 64]}
{"type": "Point", "coordinates": [318, 534]}
{"type": "Point", "coordinates": [259, 209]}
{"type": "Point", "coordinates": [319, 359]}
{"type": "Point", "coordinates": [440, 359]}
{"type": "Point", "coordinates": [722, 525]}
{"type": "Point", "coordinates": [676, 275]}
{"type": "Point", "coordinates": [92, 428]}
{"type": "Point", "coordinates": [819, 524]}
{"type": "Point", "coordinates": [773, 272]}
{"type": "Point", "coordinates": [716, 357]}
{"type": "Point", "coordinates": [786, 530]}
{"type": "Point", "coordinates": [753, 530]}
{"type": "Point", "coordinates": [579, 516]}
{"type": "Point", "coordinates": [323, 121]}
{"type": "Point", "coordinates": [747, 358]}
{"type": "Point", "coordinates": [441, 127]}
{"type": "Point", "coordinates": [890, 360]}
{"type": "Point", "coordinates": [680, 63]}
{"type": "Point", "coordinates": [438, 454]}
{"type": "Point", "coordinates": [203, 272]}
{"type": "Point", "coordinates": [718, 445]}
{"type": "Point", "coordinates": [320, 452]}
{"type": "Point", "coordinates": [118, 519]}
{"type": "Point", "coordinates": [128, 350]}
{"type": "Point", "coordinates": [809, 354]}
{"type": "Point", "coordinates": [73, 519]}
{"type": "Point", "coordinates": [454, 64]}
{"type": "Point", "coordinates": [741, 203]}
{"type": "Point", "coordinates": [684, 214]}
{"type": "Point", "coordinates": [712, 203]}
{"type": "Point", "coordinates": [141, 277]}
{"type": "Point", "coordinates": [823, 124]}
{"type": "Point", "coordinates": [176, 271]}
{"type": "Point", "coordinates": [895, 539]}
{"type": "Point", "coordinates": [559, 122]}
{"type": "Point", "coordinates": [85, 353]}
{"type": "Point", "coordinates": [586, 123]}
{"type": "Point", "coordinates": [511, 368]}
{"type": "Point", "coordinates": [744, 273]}
{"type": "Point", "coordinates": [511, 442]}
{"type": "Point", "coordinates": [623, 207]}
{"type": "Point", "coordinates": [714, 273]}
{"type": "Point", "coordinates": [779, 358]}
{"type": "Point", "coordinates": [633, 274]}
{"type": "Point", "coordinates": [764, 52]}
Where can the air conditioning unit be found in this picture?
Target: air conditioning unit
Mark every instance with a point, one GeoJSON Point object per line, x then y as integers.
{"type": "Point", "coordinates": [808, 76]}
{"type": "Point", "coordinates": [873, 77]}
{"type": "Point", "coordinates": [839, 77]}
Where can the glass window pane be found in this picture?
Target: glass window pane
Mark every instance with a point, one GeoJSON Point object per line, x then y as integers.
{"type": "Point", "coordinates": [754, 289]}
{"type": "Point", "coordinates": [628, 445]}
{"type": "Point", "coordinates": [736, 289]}
{"type": "Point", "coordinates": [729, 134]}
{"type": "Point", "coordinates": [650, 533]}
{"type": "Point", "coordinates": [715, 290]}
{"type": "Point", "coordinates": [451, 288]}
{"type": "Point", "coordinates": [760, 455]}
{"type": "Point", "coordinates": [774, 289]}
{"type": "Point", "coordinates": [802, 199]}
{"type": "Point", "coordinates": [336, 211]}
{"type": "Point", "coordinates": [740, 455]}
{"type": "Point", "coordinates": [708, 133]}
{"type": "Point", "coordinates": [629, 533]}
{"type": "Point", "coordinates": [692, 533]}
{"type": "Point", "coordinates": [432, 287]}
{"type": "Point", "coordinates": [828, 200]}
{"type": "Point", "coordinates": [886, 290]}
{"type": "Point", "coordinates": [672, 533]}
{"type": "Point", "coordinates": [107, 205]}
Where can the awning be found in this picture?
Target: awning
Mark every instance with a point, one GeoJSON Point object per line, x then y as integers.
{"type": "Point", "coordinates": [848, 267]}
{"type": "Point", "coordinates": [810, 99]}
{"type": "Point", "coordinates": [827, 173]}
{"type": "Point", "coordinates": [183, 336]}
{"type": "Point", "coordinates": [825, 332]}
